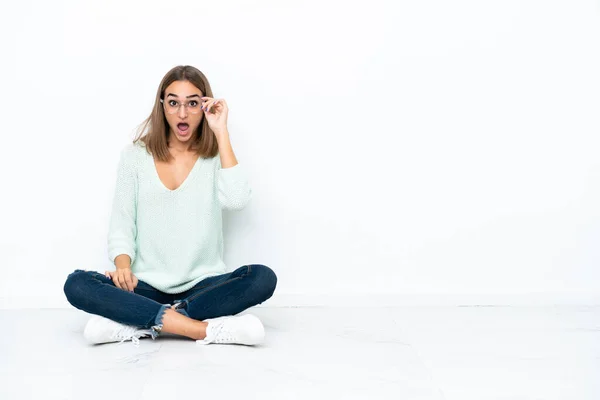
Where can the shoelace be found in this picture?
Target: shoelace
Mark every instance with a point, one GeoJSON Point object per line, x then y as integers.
{"type": "Point", "coordinates": [222, 335]}
{"type": "Point", "coordinates": [130, 332]}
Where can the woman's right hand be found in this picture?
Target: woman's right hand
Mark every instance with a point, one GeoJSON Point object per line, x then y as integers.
{"type": "Point", "coordinates": [123, 278]}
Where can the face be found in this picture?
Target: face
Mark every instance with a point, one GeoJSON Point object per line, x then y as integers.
{"type": "Point", "coordinates": [183, 124]}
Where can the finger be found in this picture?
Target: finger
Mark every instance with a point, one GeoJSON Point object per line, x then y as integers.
{"type": "Point", "coordinates": [216, 104]}
{"type": "Point", "coordinates": [128, 283]}
{"type": "Point", "coordinates": [209, 105]}
{"type": "Point", "coordinates": [120, 282]}
{"type": "Point", "coordinates": [222, 105]}
{"type": "Point", "coordinates": [205, 100]}
{"type": "Point", "coordinates": [115, 280]}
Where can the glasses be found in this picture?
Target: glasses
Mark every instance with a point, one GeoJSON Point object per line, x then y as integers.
{"type": "Point", "coordinates": [172, 106]}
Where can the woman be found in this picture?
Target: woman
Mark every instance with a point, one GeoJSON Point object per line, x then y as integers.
{"type": "Point", "coordinates": [165, 234]}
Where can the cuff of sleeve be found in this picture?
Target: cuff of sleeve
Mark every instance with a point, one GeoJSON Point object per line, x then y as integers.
{"type": "Point", "coordinates": [112, 254]}
{"type": "Point", "coordinates": [234, 188]}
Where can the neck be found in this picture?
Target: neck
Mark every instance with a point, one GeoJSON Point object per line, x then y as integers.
{"type": "Point", "coordinates": [177, 146]}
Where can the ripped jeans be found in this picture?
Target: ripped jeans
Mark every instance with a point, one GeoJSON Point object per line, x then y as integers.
{"type": "Point", "coordinates": [215, 296]}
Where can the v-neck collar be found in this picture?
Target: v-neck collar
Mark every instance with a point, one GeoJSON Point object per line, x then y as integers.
{"type": "Point", "coordinates": [183, 184]}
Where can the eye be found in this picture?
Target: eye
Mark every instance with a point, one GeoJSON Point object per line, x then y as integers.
{"type": "Point", "coordinates": [173, 103]}
{"type": "Point", "coordinates": [193, 103]}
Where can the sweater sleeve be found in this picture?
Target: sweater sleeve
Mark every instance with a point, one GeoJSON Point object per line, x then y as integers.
{"type": "Point", "coordinates": [123, 230]}
{"type": "Point", "coordinates": [233, 188]}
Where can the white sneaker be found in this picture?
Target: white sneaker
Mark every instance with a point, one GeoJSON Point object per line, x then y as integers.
{"type": "Point", "coordinates": [245, 329]}
{"type": "Point", "coordinates": [103, 330]}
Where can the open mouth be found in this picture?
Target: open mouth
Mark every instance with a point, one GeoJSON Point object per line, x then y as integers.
{"type": "Point", "coordinates": [183, 128]}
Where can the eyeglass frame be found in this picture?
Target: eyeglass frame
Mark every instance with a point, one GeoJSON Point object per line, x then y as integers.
{"type": "Point", "coordinates": [186, 105]}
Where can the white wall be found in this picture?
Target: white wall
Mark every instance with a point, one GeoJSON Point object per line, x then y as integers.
{"type": "Point", "coordinates": [395, 148]}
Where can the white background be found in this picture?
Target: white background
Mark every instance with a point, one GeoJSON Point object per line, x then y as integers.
{"type": "Point", "coordinates": [397, 148]}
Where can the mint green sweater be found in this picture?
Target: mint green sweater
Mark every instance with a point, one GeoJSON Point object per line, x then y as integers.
{"type": "Point", "coordinates": [173, 237]}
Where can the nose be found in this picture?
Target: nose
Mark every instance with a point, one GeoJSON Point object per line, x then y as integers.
{"type": "Point", "coordinates": [182, 111]}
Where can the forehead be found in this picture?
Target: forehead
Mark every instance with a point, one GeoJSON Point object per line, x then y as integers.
{"type": "Point", "coordinates": [182, 89]}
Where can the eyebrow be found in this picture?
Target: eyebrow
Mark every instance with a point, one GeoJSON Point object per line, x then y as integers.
{"type": "Point", "coordinates": [191, 95]}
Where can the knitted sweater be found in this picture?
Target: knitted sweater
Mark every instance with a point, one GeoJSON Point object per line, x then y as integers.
{"type": "Point", "coordinates": [173, 237]}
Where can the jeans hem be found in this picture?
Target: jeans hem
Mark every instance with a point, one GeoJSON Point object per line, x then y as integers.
{"type": "Point", "coordinates": [156, 329]}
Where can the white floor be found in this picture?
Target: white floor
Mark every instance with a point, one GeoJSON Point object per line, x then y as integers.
{"type": "Point", "coordinates": [454, 353]}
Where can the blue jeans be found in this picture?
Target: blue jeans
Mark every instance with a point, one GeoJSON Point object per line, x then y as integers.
{"type": "Point", "coordinates": [216, 296]}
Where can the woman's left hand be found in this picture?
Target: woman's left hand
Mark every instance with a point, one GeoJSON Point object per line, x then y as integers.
{"type": "Point", "coordinates": [215, 112]}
